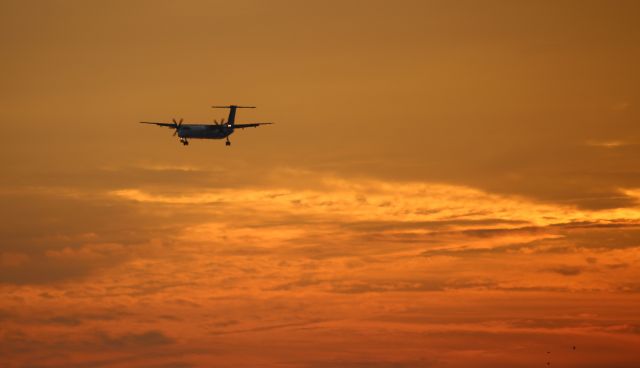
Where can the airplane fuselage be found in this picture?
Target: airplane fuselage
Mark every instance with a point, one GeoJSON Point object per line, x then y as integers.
{"type": "Point", "coordinates": [205, 131]}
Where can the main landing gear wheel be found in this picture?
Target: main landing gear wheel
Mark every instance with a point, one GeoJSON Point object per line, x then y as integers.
{"type": "Point", "coordinates": [227, 143]}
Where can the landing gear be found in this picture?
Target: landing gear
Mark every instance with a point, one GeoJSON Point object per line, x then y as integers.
{"type": "Point", "coordinates": [227, 143]}
{"type": "Point", "coordinates": [184, 141]}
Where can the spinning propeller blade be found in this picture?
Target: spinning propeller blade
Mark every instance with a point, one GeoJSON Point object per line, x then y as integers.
{"type": "Point", "coordinates": [176, 125]}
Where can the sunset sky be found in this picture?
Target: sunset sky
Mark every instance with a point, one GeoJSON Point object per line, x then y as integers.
{"type": "Point", "coordinates": [448, 184]}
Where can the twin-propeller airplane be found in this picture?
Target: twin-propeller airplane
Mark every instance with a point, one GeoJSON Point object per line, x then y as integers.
{"type": "Point", "coordinates": [217, 130]}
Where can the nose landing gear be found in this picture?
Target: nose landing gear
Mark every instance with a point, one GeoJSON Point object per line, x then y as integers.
{"type": "Point", "coordinates": [227, 143]}
{"type": "Point", "coordinates": [184, 141]}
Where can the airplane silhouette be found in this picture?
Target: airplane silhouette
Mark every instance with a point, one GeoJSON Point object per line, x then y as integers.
{"type": "Point", "coordinates": [217, 130]}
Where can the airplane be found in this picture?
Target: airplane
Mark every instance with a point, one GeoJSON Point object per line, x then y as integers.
{"type": "Point", "coordinates": [216, 130]}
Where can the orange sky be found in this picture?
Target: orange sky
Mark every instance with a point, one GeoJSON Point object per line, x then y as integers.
{"type": "Point", "coordinates": [448, 184]}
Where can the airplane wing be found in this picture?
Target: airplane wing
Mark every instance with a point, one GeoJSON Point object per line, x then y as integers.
{"type": "Point", "coordinates": [242, 126]}
{"type": "Point", "coordinates": [169, 125]}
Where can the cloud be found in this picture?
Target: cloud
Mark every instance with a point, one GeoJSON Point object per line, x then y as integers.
{"type": "Point", "coordinates": [606, 144]}
{"type": "Point", "coordinates": [144, 339]}
{"type": "Point", "coordinates": [364, 259]}
{"type": "Point", "coordinates": [267, 328]}
{"type": "Point", "coordinates": [65, 320]}
{"type": "Point", "coordinates": [377, 286]}
{"type": "Point", "coordinates": [566, 270]}
{"type": "Point", "coordinates": [422, 363]}
{"type": "Point", "coordinates": [54, 266]}
{"type": "Point", "coordinates": [13, 259]}
{"type": "Point", "coordinates": [171, 365]}
{"type": "Point", "coordinates": [441, 224]}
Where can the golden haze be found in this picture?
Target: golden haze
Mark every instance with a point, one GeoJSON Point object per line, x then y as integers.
{"type": "Point", "coordinates": [448, 184]}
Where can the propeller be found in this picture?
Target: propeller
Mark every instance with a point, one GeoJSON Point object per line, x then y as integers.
{"type": "Point", "coordinates": [219, 124]}
{"type": "Point", "coordinates": [177, 125]}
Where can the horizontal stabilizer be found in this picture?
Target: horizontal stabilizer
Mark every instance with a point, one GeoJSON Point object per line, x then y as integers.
{"type": "Point", "coordinates": [231, 106]}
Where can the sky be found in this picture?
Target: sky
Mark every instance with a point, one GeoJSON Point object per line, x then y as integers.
{"type": "Point", "coordinates": [447, 184]}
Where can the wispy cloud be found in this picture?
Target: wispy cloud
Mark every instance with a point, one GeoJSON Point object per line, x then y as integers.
{"type": "Point", "coordinates": [607, 144]}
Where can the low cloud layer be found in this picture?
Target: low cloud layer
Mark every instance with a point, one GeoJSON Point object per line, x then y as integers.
{"type": "Point", "coordinates": [410, 274]}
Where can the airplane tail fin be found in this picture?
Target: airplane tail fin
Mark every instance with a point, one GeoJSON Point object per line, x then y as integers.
{"type": "Point", "coordinates": [232, 112]}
